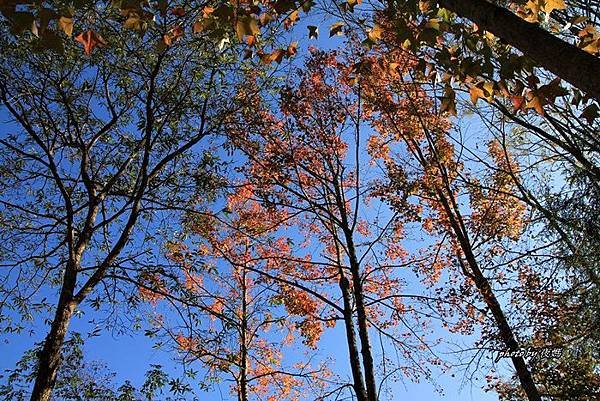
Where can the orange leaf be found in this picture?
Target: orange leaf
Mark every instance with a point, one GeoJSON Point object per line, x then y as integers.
{"type": "Point", "coordinates": [276, 56]}
{"type": "Point", "coordinates": [535, 102]}
{"type": "Point", "coordinates": [517, 102]}
{"type": "Point", "coordinates": [292, 49]}
{"type": "Point", "coordinates": [89, 40]}
{"type": "Point", "coordinates": [66, 24]}
{"type": "Point", "coordinates": [206, 11]}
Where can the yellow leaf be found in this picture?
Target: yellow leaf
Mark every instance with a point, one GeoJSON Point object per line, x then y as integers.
{"type": "Point", "coordinates": [375, 33]}
{"type": "Point", "coordinates": [433, 23]}
{"type": "Point", "coordinates": [66, 24]}
{"type": "Point", "coordinates": [550, 5]}
{"type": "Point", "coordinates": [488, 90]}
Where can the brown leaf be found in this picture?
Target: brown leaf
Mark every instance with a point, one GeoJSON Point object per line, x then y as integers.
{"type": "Point", "coordinates": [590, 113]}
{"type": "Point", "coordinates": [336, 29]}
{"type": "Point", "coordinates": [291, 20]}
{"type": "Point", "coordinates": [246, 25]}
{"type": "Point", "coordinates": [292, 49]}
{"type": "Point", "coordinates": [178, 11]}
{"type": "Point", "coordinates": [175, 33]}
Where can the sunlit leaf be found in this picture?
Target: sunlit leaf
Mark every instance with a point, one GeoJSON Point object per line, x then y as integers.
{"type": "Point", "coordinates": [90, 40]}
{"type": "Point", "coordinates": [66, 25]}
{"type": "Point", "coordinates": [336, 29]}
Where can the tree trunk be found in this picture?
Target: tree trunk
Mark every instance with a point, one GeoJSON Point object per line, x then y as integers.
{"type": "Point", "coordinates": [50, 356]}
{"type": "Point", "coordinates": [243, 396]}
{"type": "Point", "coordinates": [355, 366]}
{"type": "Point", "coordinates": [574, 65]}
{"type": "Point", "coordinates": [485, 290]}
{"type": "Point", "coordinates": [363, 329]}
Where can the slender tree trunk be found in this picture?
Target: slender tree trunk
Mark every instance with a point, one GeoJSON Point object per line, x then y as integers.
{"type": "Point", "coordinates": [506, 332]}
{"type": "Point", "coordinates": [243, 396]}
{"type": "Point", "coordinates": [363, 329]}
{"type": "Point", "coordinates": [485, 290]}
{"type": "Point", "coordinates": [355, 365]}
{"type": "Point", "coordinates": [574, 65]}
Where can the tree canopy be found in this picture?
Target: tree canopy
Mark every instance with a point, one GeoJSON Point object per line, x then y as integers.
{"type": "Point", "coordinates": [419, 186]}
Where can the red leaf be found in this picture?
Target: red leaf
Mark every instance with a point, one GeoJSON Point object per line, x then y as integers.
{"type": "Point", "coordinates": [89, 40]}
{"type": "Point", "coordinates": [517, 102]}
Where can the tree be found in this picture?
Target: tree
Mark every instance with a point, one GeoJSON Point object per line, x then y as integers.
{"type": "Point", "coordinates": [562, 58]}
{"type": "Point", "coordinates": [304, 159]}
{"type": "Point", "coordinates": [558, 148]}
{"type": "Point", "coordinates": [436, 179]}
{"type": "Point", "coordinates": [81, 380]}
{"type": "Point", "coordinates": [235, 325]}
{"type": "Point", "coordinates": [99, 147]}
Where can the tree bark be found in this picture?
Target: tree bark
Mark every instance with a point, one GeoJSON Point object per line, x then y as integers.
{"type": "Point", "coordinates": [243, 395]}
{"type": "Point", "coordinates": [487, 293]}
{"type": "Point", "coordinates": [574, 65]}
{"type": "Point", "coordinates": [50, 356]}
{"type": "Point", "coordinates": [355, 365]}
{"type": "Point", "coordinates": [363, 329]}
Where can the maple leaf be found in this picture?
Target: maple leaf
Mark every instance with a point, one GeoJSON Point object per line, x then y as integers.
{"type": "Point", "coordinates": [175, 33]}
{"type": "Point", "coordinates": [517, 102]}
{"type": "Point", "coordinates": [292, 49]}
{"type": "Point", "coordinates": [276, 55]}
{"type": "Point", "coordinates": [590, 113]}
{"type": "Point", "coordinates": [90, 40]}
{"type": "Point", "coordinates": [313, 31]}
{"type": "Point", "coordinates": [66, 24]}
{"type": "Point", "coordinates": [375, 33]}
{"type": "Point", "coordinates": [551, 5]}
{"type": "Point", "coordinates": [291, 20]}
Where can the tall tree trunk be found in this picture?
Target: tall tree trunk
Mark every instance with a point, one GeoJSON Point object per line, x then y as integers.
{"type": "Point", "coordinates": [487, 293]}
{"type": "Point", "coordinates": [355, 365]}
{"type": "Point", "coordinates": [50, 356]}
{"type": "Point", "coordinates": [363, 329]}
{"type": "Point", "coordinates": [243, 395]}
{"type": "Point", "coordinates": [574, 65]}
